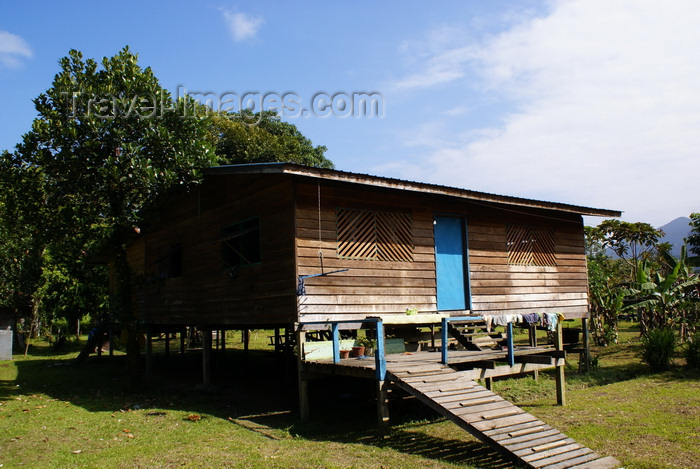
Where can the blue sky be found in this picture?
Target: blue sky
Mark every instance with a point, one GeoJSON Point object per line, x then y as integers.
{"type": "Point", "coordinates": [589, 102]}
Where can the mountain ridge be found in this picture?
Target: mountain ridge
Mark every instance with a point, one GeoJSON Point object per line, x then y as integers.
{"type": "Point", "coordinates": [674, 232]}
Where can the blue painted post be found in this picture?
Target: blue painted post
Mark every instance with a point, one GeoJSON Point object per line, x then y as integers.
{"type": "Point", "coordinates": [511, 353]}
{"type": "Point", "coordinates": [379, 357]}
{"type": "Point", "coordinates": [443, 344]}
{"type": "Point", "coordinates": [336, 342]}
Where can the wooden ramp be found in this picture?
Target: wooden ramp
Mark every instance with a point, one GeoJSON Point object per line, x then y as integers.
{"type": "Point", "coordinates": [495, 421]}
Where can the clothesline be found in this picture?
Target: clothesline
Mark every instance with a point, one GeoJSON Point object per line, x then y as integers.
{"type": "Point", "coordinates": [547, 320]}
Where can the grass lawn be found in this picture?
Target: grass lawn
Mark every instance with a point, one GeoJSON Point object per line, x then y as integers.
{"type": "Point", "coordinates": [56, 414]}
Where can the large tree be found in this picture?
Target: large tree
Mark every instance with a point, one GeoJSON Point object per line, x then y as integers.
{"type": "Point", "coordinates": [108, 140]}
{"type": "Point", "coordinates": [22, 236]}
{"type": "Point", "coordinates": [263, 137]}
{"type": "Point", "coordinates": [631, 242]}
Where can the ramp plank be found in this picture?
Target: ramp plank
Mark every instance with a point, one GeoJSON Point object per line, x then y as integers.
{"type": "Point", "coordinates": [499, 423]}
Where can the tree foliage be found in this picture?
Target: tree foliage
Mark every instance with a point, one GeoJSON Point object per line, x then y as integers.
{"type": "Point", "coordinates": [22, 235]}
{"type": "Point", "coordinates": [666, 300]}
{"type": "Point", "coordinates": [107, 142]}
{"type": "Point", "coordinates": [606, 286]}
{"type": "Point", "coordinates": [644, 281]}
{"type": "Point", "coordinates": [631, 242]}
{"type": "Point", "coordinates": [101, 158]}
{"type": "Point", "coordinates": [240, 138]}
{"type": "Point", "coordinates": [694, 238]}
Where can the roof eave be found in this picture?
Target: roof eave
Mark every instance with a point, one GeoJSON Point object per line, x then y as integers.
{"type": "Point", "coordinates": [398, 184]}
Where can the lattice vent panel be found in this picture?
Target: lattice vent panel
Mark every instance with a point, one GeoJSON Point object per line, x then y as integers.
{"type": "Point", "coordinates": [374, 235]}
{"type": "Point", "coordinates": [530, 245]}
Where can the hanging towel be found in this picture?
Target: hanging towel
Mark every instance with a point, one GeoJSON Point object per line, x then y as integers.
{"type": "Point", "coordinates": [489, 321]}
{"type": "Point", "coordinates": [500, 320]}
{"type": "Point", "coordinates": [552, 319]}
{"type": "Point", "coordinates": [531, 318]}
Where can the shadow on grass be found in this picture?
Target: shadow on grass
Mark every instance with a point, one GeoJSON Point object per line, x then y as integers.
{"type": "Point", "coordinates": [258, 392]}
{"type": "Point", "coordinates": [453, 451]}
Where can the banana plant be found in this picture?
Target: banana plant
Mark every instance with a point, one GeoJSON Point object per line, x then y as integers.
{"type": "Point", "coordinates": [607, 305]}
{"type": "Point", "coordinates": [667, 301]}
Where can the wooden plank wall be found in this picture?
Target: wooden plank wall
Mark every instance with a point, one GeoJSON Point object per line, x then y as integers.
{"type": "Point", "coordinates": [369, 287]}
{"type": "Point", "coordinates": [206, 293]}
{"type": "Point", "coordinates": [499, 288]}
{"type": "Point", "coordinates": [384, 288]}
{"type": "Point", "coordinates": [265, 294]}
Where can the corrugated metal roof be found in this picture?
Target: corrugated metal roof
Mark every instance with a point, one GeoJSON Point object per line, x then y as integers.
{"type": "Point", "coordinates": [399, 184]}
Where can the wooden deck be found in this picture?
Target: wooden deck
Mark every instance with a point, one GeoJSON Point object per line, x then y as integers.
{"type": "Point", "coordinates": [484, 414]}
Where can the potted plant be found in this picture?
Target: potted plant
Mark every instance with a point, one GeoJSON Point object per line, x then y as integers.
{"type": "Point", "coordinates": [357, 351]}
{"type": "Point", "coordinates": [366, 344]}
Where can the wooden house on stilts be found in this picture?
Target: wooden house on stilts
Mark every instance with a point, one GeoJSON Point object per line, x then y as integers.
{"type": "Point", "coordinates": [323, 253]}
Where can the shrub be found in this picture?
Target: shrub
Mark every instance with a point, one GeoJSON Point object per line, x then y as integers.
{"type": "Point", "coordinates": [692, 352]}
{"type": "Point", "coordinates": [658, 346]}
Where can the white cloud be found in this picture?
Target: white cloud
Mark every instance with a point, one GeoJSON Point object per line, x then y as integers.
{"type": "Point", "coordinates": [441, 58]}
{"type": "Point", "coordinates": [242, 26]}
{"type": "Point", "coordinates": [607, 97]}
{"type": "Point", "coordinates": [12, 49]}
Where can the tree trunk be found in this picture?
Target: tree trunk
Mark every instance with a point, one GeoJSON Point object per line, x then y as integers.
{"type": "Point", "coordinates": [35, 316]}
{"type": "Point", "coordinates": [121, 300]}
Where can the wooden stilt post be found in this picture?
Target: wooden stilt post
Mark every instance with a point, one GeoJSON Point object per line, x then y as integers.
{"type": "Point", "coordinates": [183, 333]}
{"type": "Point", "coordinates": [488, 383]}
{"type": "Point", "coordinates": [246, 341]}
{"type": "Point", "coordinates": [586, 346]}
{"type": "Point", "coordinates": [149, 353]}
{"type": "Point", "coordinates": [206, 357]}
{"type": "Point", "coordinates": [223, 340]}
{"type": "Point", "coordinates": [532, 335]}
{"type": "Point", "coordinates": [382, 407]}
{"type": "Point", "coordinates": [382, 383]}
{"type": "Point", "coordinates": [284, 355]}
{"type": "Point", "coordinates": [303, 382]}
{"type": "Point", "coordinates": [216, 346]}
{"type": "Point", "coordinates": [560, 379]}
{"type": "Point", "coordinates": [511, 347]}
{"type": "Point", "coordinates": [336, 342]}
{"type": "Point", "coordinates": [111, 342]}
{"type": "Point", "coordinates": [167, 344]}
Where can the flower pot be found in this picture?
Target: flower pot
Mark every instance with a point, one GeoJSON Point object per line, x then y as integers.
{"type": "Point", "coordinates": [358, 351]}
{"type": "Point", "coordinates": [345, 354]}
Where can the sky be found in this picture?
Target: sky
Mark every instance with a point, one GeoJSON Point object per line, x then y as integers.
{"type": "Point", "coordinates": [587, 102]}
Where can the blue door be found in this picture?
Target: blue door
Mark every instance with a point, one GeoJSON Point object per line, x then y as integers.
{"type": "Point", "coordinates": [450, 263]}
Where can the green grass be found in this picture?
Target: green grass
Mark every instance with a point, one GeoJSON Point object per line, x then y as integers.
{"type": "Point", "coordinates": [645, 419]}
{"type": "Point", "coordinates": [56, 414]}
